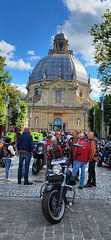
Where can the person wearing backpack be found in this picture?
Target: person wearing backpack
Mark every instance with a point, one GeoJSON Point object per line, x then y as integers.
{"type": "Point", "coordinates": [93, 159]}
{"type": "Point", "coordinates": [54, 151]}
{"type": "Point", "coordinates": [81, 155]}
{"type": "Point", "coordinates": [8, 153]}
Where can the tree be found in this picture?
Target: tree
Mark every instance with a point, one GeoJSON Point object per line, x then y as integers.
{"type": "Point", "coordinates": [91, 118]}
{"type": "Point", "coordinates": [17, 119]}
{"type": "Point", "coordinates": [5, 79]}
{"type": "Point", "coordinates": [14, 94]}
{"type": "Point", "coordinates": [102, 42]}
{"type": "Point", "coordinates": [107, 110]}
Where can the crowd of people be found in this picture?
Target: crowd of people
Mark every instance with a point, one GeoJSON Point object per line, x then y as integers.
{"type": "Point", "coordinates": [81, 150]}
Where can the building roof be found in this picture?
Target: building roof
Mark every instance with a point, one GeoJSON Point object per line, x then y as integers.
{"type": "Point", "coordinates": [60, 63]}
{"type": "Point", "coordinates": [50, 65]}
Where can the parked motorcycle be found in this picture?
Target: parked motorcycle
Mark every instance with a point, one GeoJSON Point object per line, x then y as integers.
{"type": "Point", "coordinates": [104, 153]}
{"type": "Point", "coordinates": [2, 164]}
{"type": "Point", "coordinates": [56, 192]}
{"type": "Point", "coordinates": [38, 156]}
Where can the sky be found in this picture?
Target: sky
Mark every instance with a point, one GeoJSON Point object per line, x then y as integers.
{"type": "Point", "coordinates": [27, 29]}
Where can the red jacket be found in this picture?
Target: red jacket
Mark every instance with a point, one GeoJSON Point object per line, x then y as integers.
{"type": "Point", "coordinates": [93, 150]}
{"type": "Point", "coordinates": [84, 157]}
{"type": "Point", "coordinates": [48, 143]}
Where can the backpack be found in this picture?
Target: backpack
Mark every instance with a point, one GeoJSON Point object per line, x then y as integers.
{"type": "Point", "coordinates": [55, 152]}
{"type": "Point", "coordinates": [6, 152]}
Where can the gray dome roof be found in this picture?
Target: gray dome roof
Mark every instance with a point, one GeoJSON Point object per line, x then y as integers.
{"type": "Point", "coordinates": [69, 66]}
{"type": "Point", "coordinates": [60, 36]}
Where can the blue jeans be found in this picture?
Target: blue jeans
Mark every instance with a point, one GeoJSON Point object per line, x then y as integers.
{"type": "Point", "coordinates": [7, 162]}
{"type": "Point", "coordinates": [76, 166]}
{"type": "Point", "coordinates": [27, 157]}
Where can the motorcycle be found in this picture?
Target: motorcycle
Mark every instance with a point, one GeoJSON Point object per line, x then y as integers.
{"type": "Point", "coordinates": [56, 192]}
{"type": "Point", "coordinates": [2, 164]}
{"type": "Point", "coordinates": [38, 156]}
{"type": "Point", "coordinates": [104, 153]}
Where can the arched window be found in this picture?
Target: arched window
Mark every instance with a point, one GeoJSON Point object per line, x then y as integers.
{"type": "Point", "coordinates": [78, 122]}
{"type": "Point", "coordinates": [36, 120]}
{"type": "Point", "coordinates": [80, 94]}
{"type": "Point", "coordinates": [36, 91]}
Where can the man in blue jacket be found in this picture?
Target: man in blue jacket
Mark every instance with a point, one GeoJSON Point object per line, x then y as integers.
{"type": "Point", "coordinates": [25, 147]}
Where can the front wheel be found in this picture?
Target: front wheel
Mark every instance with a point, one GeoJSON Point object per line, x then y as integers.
{"type": "Point", "coordinates": [99, 163]}
{"type": "Point", "coordinates": [52, 212]}
{"type": "Point", "coordinates": [35, 168]}
{"type": "Point", "coordinates": [109, 161]}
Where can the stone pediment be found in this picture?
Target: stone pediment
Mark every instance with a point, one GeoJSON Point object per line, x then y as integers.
{"type": "Point", "coordinates": [60, 84]}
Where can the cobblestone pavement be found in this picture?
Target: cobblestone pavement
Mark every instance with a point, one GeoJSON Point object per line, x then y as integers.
{"type": "Point", "coordinates": [23, 219]}
{"type": "Point", "coordinates": [102, 191]}
{"type": "Point", "coordinates": [21, 216]}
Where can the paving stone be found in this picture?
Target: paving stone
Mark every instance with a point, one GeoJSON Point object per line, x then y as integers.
{"type": "Point", "coordinates": [21, 215]}
{"type": "Point", "coordinates": [12, 189]}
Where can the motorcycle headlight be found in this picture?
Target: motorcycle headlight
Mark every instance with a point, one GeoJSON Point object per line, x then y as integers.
{"type": "Point", "coordinates": [57, 169]}
{"type": "Point", "coordinates": [40, 149]}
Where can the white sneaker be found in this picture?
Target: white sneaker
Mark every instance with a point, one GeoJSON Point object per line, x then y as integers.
{"type": "Point", "coordinates": [7, 180]}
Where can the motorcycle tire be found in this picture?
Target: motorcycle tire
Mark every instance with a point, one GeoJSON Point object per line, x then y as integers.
{"type": "Point", "coordinates": [36, 167]}
{"type": "Point", "coordinates": [2, 163]}
{"type": "Point", "coordinates": [51, 211]}
{"type": "Point", "coordinates": [99, 163]}
{"type": "Point", "coordinates": [41, 163]}
{"type": "Point", "coordinates": [110, 162]}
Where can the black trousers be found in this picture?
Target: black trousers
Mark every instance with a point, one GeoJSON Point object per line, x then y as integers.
{"type": "Point", "coordinates": [91, 170]}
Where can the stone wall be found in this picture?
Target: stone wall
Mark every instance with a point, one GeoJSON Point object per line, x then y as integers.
{"type": "Point", "coordinates": [69, 110]}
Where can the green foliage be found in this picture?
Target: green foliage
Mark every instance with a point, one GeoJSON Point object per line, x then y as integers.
{"type": "Point", "coordinates": [5, 79]}
{"type": "Point", "coordinates": [90, 117]}
{"type": "Point", "coordinates": [94, 126]}
{"type": "Point", "coordinates": [102, 42]}
{"type": "Point", "coordinates": [107, 110]}
{"type": "Point", "coordinates": [14, 94]}
{"type": "Point", "coordinates": [17, 118]}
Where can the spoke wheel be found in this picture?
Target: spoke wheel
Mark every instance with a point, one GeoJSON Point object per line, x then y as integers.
{"type": "Point", "coordinates": [52, 212]}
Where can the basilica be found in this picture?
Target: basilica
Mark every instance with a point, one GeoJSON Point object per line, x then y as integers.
{"type": "Point", "coordinates": [59, 91]}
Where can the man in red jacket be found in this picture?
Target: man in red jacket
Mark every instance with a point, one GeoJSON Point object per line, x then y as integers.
{"type": "Point", "coordinates": [81, 156]}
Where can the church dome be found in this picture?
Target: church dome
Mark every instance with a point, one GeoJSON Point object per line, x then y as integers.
{"type": "Point", "coordinates": [60, 60]}
{"type": "Point", "coordinates": [69, 66]}
{"type": "Point", "coordinates": [60, 36]}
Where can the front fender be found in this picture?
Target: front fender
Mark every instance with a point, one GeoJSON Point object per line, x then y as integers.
{"type": "Point", "coordinates": [53, 186]}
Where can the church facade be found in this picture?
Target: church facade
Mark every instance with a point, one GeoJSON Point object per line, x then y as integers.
{"type": "Point", "coordinates": [59, 91]}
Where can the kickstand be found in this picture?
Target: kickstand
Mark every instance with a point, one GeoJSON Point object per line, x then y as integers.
{"type": "Point", "coordinates": [70, 208]}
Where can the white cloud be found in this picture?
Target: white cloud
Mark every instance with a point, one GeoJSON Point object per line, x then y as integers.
{"type": "Point", "coordinates": [7, 51]}
{"type": "Point", "coordinates": [86, 6]}
{"type": "Point", "coordinates": [83, 15]}
{"type": "Point", "coordinates": [31, 52]}
{"type": "Point", "coordinates": [96, 89]}
{"type": "Point", "coordinates": [21, 87]}
{"type": "Point", "coordinates": [33, 57]}
{"type": "Point", "coordinates": [20, 64]}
